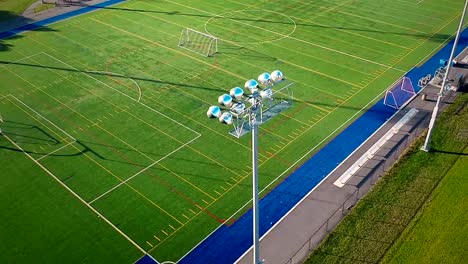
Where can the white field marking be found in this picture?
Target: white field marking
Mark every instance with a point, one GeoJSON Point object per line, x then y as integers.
{"type": "Point", "coordinates": [25, 58]}
{"type": "Point", "coordinates": [420, 2]}
{"type": "Point", "coordinates": [427, 4]}
{"type": "Point", "coordinates": [77, 196]}
{"type": "Point", "coordinates": [121, 75]}
{"type": "Point", "coordinates": [54, 151]}
{"type": "Point", "coordinates": [124, 94]}
{"type": "Point", "coordinates": [300, 40]}
{"type": "Point", "coordinates": [50, 122]}
{"type": "Point", "coordinates": [370, 153]}
{"type": "Point", "coordinates": [385, 14]}
{"type": "Point", "coordinates": [253, 10]}
{"type": "Point", "coordinates": [143, 170]}
{"type": "Point", "coordinates": [235, 43]}
{"type": "Point", "coordinates": [34, 111]}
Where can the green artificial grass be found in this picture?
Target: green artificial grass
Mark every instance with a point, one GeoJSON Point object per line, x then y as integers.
{"type": "Point", "coordinates": [376, 223]}
{"type": "Point", "coordinates": [155, 166]}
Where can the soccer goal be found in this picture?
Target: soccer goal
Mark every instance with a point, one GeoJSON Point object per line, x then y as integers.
{"type": "Point", "coordinates": [198, 42]}
{"type": "Point", "coordinates": [399, 93]}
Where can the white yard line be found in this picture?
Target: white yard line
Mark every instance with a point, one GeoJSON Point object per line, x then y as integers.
{"type": "Point", "coordinates": [77, 196]}
{"type": "Point", "coordinates": [55, 151]}
{"type": "Point", "coordinates": [143, 170]}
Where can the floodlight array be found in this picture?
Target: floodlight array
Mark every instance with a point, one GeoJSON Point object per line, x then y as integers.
{"type": "Point", "coordinates": [233, 105]}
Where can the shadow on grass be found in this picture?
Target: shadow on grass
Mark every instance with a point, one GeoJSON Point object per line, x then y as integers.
{"type": "Point", "coordinates": [448, 152]}
{"type": "Point", "coordinates": [438, 38]}
{"type": "Point", "coordinates": [12, 24]}
{"type": "Point", "coordinates": [109, 74]}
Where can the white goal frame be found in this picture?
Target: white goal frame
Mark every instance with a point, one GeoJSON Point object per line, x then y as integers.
{"type": "Point", "coordinates": [186, 38]}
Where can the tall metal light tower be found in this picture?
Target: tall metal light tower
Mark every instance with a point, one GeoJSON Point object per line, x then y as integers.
{"type": "Point", "coordinates": [426, 147]}
{"type": "Point", "coordinates": [244, 119]}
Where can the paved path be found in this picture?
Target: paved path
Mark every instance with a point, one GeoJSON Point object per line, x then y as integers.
{"type": "Point", "coordinates": [62, 7]}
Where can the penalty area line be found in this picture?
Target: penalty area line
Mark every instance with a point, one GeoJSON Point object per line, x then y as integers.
{"type": "Point", "coordinates": [113, 74]}
{"type": "Point", "coordinates": [57, 150]}
{"type": "Point", "coordinates": [143, 170]}
{"type": "Point", "coordinates": [6, 64]}
{"type": "Point", "coordinates": [76, 195]}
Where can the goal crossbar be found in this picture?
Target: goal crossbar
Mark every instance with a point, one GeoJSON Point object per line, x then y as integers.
{"type": "Point", "coordinates": [198, 42]}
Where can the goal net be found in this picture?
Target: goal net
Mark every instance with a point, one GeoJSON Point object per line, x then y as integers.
{"type": "Point", "coordinates": [198, 42]}
{"type": "Point", "coordinates": [399, 93]}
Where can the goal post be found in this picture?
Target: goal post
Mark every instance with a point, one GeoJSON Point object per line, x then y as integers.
{"type": "Point", "coordinates": [198, 42]}
{"type": "Point", "coordinates": [399, 93]}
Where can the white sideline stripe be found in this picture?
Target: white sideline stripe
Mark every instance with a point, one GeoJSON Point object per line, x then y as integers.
{"type": "Point", "coordinates": [34, 111]}
{"type": "Point", "coordinates": [77, 196]}
{"type": "Point", "coordinates": [143, 170]}
{"type": "Point", "coordinates": [25, 58]}
{"type": "Point", "coordinates": [346, 176]}
{"type": "Point", "coordinates": [57, 150]}
{"type": "Point", "coordinates": [124, 94]}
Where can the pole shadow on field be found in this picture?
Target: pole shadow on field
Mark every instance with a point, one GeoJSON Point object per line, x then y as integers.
{"type": "Point", "coordinates": [109, 74]}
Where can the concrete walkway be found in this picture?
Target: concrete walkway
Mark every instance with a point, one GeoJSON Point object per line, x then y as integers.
{"type": "Point", "coordinates": [62, 7]}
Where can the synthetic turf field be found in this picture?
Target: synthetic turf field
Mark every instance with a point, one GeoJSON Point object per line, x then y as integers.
{"type": "Point", "coordinates": [156, 167]}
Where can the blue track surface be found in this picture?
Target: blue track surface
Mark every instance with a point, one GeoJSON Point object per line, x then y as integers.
{"type": "Point", "coordinates": [227, 244]}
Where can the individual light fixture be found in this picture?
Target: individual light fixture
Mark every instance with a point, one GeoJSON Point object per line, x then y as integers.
{"type": "Point", "coordinates": [251, 85]}
{"type": "Point", "coordinates": [214, 112]}
{"type": "Point", "coordinates": [237, 93]}
{"type": "Point", "coordinates": [226, 118]}
{"type": "Point", "coordinates": [276, 76]}
{"type": "Point", "coordinates": [225, 100]}
{"type": "Point", "coordinates": [264, 79]}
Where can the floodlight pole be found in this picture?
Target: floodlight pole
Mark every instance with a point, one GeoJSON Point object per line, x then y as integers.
{"type": "Point", "coordinates": [254, 127]}
{"type": "Point", "coordinates": [426, 147]}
